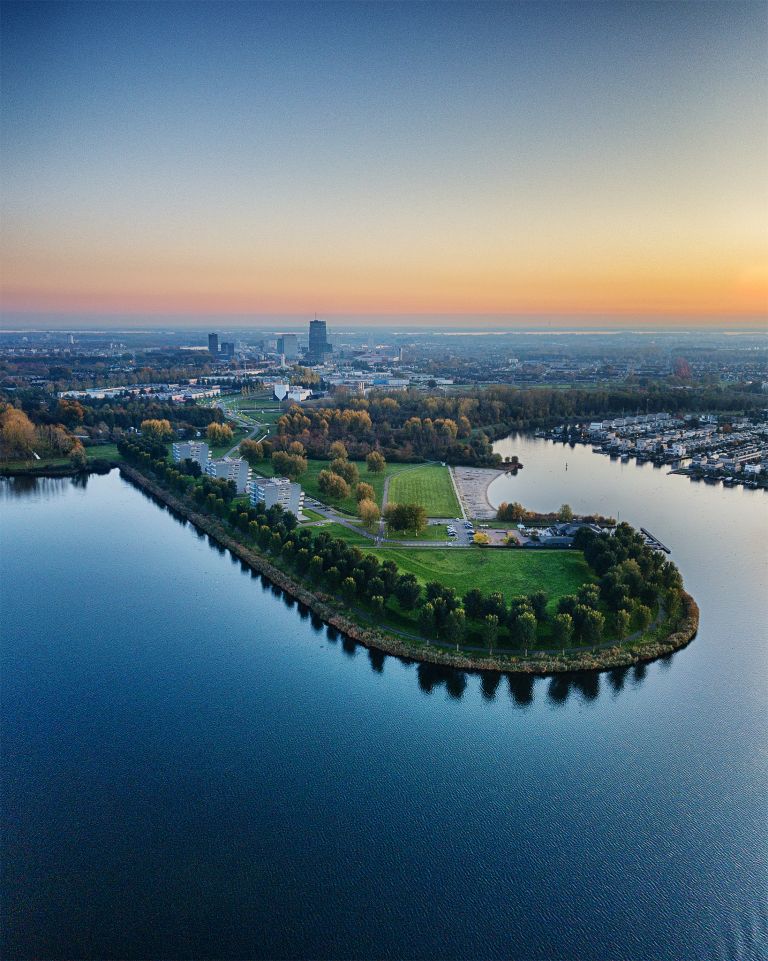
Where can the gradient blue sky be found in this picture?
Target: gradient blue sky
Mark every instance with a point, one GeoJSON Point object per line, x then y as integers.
{"type": "Point", "coordinates": [531, 160]}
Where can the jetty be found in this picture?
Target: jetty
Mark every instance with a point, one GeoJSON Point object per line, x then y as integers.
{"type": "Point", "coordinates": [654, 542]}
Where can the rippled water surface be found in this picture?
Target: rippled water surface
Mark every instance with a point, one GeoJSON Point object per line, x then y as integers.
{"type": "Point", "coordinates": [193, 768]}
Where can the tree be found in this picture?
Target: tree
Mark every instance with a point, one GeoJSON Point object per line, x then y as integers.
{"type": "Point", "coordinates": [377, 605]}
{"type": "Point", "coordinates": [218, 434]}
{"type": "Point", "coordinates": [349, 589]}
{"type": "Point", "coordinates": [346, 469]}
{"type": "Point", "coordinates": [642, 616]}
{"type": "Point", "coordinates": [623, 623]}
{"type": "Point", "coordinates": [511, 512]}
{"type": "Point", "coordinates": [78, 457]}
{"type": "Point", "coordinates": [156, 430]}
{"type": "Point", "coordinates": [405, 517]}
{"type": "Point", "coordinates": [297, 449]}
{"type": "Point", "coordinates": [562, 629]}
{"type": "Point", "coordinates": [538, 602]}
{"type": "Point", "coordinates": [454, 626]}
{"type": "Point", "coordinates": [526, 629]}
{"type": "Point", "coordinates": [565, 514]}
{"type": "Point", "coordinates": [427, 619]}
{"type": "Point", "coordinates": [316, 568]}
{"type": "Point", "coordinates": [338, 450]}
{"type": "Point", "coordinates": [369, 513]}
{"type": "Point", "coordinates": [407, 591]}
{"type": "Point", "coordinates": [252, 451]}
{"type": "Point", "coordinates": [17, 432]}
{"type": "Point", "coordinates": [290, 465]}
{"type": "Point", "coordinates": [375, 462]}
{"type": "Point", "coordinates": [473, 603]}
{"type": "Point", "coordinates": [332, 485]}
{"type": "Point", "coordinates": [482, 539]}
{"type": "Point", "coordinates": [592, 626]}
{"type": "Point", "coordinates": [365, 492]}
{"type": "Point", "coordinates": [490, 624]}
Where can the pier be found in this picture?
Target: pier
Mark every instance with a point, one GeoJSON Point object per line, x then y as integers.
{"type": "Point", "coordinates": [654, 542]}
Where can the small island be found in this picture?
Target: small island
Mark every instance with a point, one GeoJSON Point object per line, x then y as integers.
{"type": "Point", "coordinates": [604, 599]}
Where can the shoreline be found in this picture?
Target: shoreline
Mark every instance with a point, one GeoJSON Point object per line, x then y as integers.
{"type": "Point", "coordinates": [608, 658]}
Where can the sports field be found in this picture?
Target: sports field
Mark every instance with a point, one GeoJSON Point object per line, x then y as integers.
{"type": "Point", "coordinates": [430, 486]}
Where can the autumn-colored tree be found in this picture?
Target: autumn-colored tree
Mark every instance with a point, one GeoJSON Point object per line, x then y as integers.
{"type": "Point", "coordinates": [218, 434]}
{"type": "Point", "coordinates": [364, 492]}
{"type": "Point", "coordinates": [332, 485]}
{"type": "Point", "coordinates": [369, 513]}
{"type": "Point", "coordinates": [17, 433]}
{"type": "Point", "coordinates": [158, 430]}
{"type": "Point", "coordinates": [345, 469]}
{"type": "Point", "coordinates": [338, 450]}
{"type": "Point", "coordinates": [289, 465]}
{"type": "Point", "coordinates": [375, 462]}
{"type": "Point", "coordinates": [252, 451]}
{"type": "Point", "coordinates": [511, 512]}
{"type": "Point", "coordinates": [297, 448]}
{"type": "Point", "coordinates": [481, 538]}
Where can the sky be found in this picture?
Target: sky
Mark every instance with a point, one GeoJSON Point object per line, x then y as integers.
{"type": "Point", "coordinates": [444, 162]}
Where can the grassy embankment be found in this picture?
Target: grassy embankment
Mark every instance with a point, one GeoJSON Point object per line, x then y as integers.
{"type": "Point", "coordinates": [430, 486]}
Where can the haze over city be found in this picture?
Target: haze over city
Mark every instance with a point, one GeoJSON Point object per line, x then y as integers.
{"type": "Point", "coordinates": [460, 165]}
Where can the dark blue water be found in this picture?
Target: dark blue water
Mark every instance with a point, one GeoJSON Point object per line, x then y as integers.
{"type": "Point", "coordinates": [192, 768]}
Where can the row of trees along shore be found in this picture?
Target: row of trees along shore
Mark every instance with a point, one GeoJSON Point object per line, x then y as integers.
{"type": "Point", "coordinates": [631, 579]}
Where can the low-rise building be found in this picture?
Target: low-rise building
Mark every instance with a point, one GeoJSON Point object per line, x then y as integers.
{"type": "Point", "coordinates": [277, 490]}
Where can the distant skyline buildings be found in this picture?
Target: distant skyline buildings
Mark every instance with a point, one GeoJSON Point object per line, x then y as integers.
{"type": "Point", "coordinates": [577, 161]}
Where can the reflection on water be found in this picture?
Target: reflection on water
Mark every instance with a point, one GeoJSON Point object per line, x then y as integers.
{"type": "Point", "coordinates": [34, 488]}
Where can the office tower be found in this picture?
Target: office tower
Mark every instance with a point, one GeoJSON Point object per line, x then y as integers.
{"type": "Point", "coordinates": [227, 349]}
{"type": "Point", "coordinates": [318, 342]}
{"type": "Point", "coordinates": [288, 344]}
{"type": "Point", "coordinates": [213, 343]}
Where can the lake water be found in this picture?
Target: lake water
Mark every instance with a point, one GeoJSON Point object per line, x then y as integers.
{"type": "Point", "coordinates": [194, 768]}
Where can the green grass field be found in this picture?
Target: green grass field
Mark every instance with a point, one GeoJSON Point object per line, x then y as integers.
{"type": "Point", "coordinates": [430, 486]}
{"type": "Point", "coordinates": [513, 572]}
{"type": "Point", "coordinates": [345, 534]}
{"type": "Point", "coordinates": [433, 532]}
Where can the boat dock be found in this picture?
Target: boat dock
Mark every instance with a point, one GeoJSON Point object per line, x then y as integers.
{"type": "Point", "coordinates": [654, 542]}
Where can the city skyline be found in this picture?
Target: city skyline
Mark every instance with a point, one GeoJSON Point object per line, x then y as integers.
{"type": "Point", "coordinates": [565, 165]}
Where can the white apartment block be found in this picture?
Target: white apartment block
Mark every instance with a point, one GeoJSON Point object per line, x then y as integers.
{"type": "Point", "coordinates": [191, 450]}
{"type": "Point", "coordinates": [235, 469]}
{"type": "Point", "coordinates": [277, 490]}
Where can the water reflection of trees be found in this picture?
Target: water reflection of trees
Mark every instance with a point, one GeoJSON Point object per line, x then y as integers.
{"type": "Point", "coordinates": [33, 488]}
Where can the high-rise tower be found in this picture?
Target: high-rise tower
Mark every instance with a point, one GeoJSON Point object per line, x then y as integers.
{"type": "Point", "coordinates": [318, 342]}
{"type": "Point", "coordinates": [213, 343]}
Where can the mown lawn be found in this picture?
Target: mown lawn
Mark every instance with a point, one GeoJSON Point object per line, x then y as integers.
{"type": "Point", "coordinates": [433, 532]}
{"type": "Point", "coordinates": [513, 572]}
{"type": "Point", "coordinates": [430, 486]}
{"type": "Point", "coordinates": [345, 534]}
